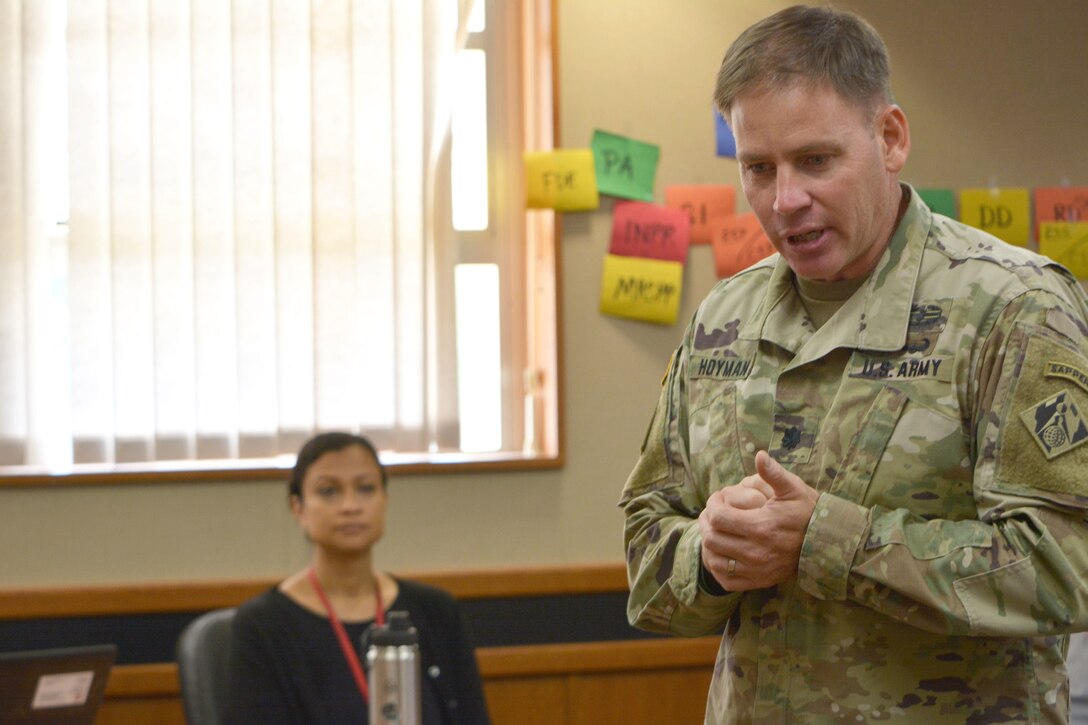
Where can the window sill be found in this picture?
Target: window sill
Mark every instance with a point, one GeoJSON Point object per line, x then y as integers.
{"type": "Point", "coordinates": [260, 470]}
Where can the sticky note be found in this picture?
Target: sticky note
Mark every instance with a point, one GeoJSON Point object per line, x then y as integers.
{"type": "Point", "coordinates": [940, 201]}
{"type": "Point", "coordinates": [641, 289]}
{"type": "Point", "coordinates": [625, 168]}
{"type": "Point", "coordinates": [1067, 244]}
{"type": "Point", "coordinates": [1061, 204]}
{"type": "Point", "coordinates": [564, 180]}
{"type": "Point", "coordinates": [738, 243]}
{"type": "Point", "coordinates": [647, 230]}
{"type": "Point", "coordinates": [702, 202]}
{"type": "Point", "coordinates": [1005, 212]}
{"type": "Point", "coordinates": [726, 144]}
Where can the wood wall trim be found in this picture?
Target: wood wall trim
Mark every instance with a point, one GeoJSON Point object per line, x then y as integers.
{"type": "Point", "coordinates": [193, 596]}
{"type": "Point", "coordinates": [161, 679]}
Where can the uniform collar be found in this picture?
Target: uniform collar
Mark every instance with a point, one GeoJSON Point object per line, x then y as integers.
{"type": "Point", "coordinates": [875, 318]}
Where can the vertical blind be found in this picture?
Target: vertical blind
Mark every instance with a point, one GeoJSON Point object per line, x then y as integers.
{"type": "Point", "coordinates": [245, 258]}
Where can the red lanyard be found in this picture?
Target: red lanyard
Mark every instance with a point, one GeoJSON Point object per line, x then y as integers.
{"type": "Point", "coordinates": [345, 645]}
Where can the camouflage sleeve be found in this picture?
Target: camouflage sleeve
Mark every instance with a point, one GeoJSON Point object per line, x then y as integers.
{"type": "Point", "coordinates": [1021, 567]}
{"type": "Point", "coordinates": [661, 534]}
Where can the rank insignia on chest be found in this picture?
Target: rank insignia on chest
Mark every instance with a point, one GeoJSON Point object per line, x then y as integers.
{"type": "Point", "coordinates": [1056, 424]}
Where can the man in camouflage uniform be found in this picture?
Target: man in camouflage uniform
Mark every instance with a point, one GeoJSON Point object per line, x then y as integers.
{"type": "Point", "coordinates": [869, 461]}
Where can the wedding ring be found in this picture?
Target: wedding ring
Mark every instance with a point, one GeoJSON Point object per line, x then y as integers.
{"type": "Point", "coordinates": [732, 570]}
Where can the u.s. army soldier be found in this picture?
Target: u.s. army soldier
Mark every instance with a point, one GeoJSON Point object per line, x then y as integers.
{"type": "Point", "coordinates": [868, 466]}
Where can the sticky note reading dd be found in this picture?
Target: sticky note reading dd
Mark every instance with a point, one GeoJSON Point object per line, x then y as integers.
{"type": "Point", "coordinates": [1067, 244]}
{"type": "Point", "coordinates": [738, 243]}
{"type": "Point", "coordinates": [625, 168]}
{"type": "Point", "coordinates": [641, 289]}
{"type": "Point", "coordinates": [703, 203]}
{"type": "Point", "coordinates": [1005, 213]}
{"type": "Point", "coordinates": [564, 180]}
{"type": "Point", "coordinates": [647, 230]}
{"type": "Point", "coordinates": [1060, 204]}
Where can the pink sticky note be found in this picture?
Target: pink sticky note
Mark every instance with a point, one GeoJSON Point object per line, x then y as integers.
{"type": "Point", "coordinates": [738, 243]}
{"type": "Point", "coordinates": [703, 203]}
{"type": "Point", "coordinates": [650, 231]}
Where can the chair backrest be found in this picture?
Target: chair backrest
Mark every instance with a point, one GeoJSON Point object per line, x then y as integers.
{"type": "Point", "coordinates": [203, 656]}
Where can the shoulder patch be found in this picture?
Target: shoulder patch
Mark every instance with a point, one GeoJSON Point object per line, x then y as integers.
{"type": "Point", "coordinates": [1056, 424]}
{"type": "Point", "coordinates": [1067, 371]}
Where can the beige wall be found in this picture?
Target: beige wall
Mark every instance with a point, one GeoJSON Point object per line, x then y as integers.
{"type": "Point", "coordinates": [996, 92]}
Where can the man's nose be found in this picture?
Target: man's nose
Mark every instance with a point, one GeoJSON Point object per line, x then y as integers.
{"type": "Point", "coordinates": [790, 192]}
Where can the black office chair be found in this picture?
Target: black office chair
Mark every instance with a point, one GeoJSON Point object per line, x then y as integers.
{"type": "Point", "coordinates": [203, 655]}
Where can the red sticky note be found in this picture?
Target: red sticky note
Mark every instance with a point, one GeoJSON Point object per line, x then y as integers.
{"type": "Point", "coordinates": [738, 243]}
{"type": "Point", "coordinates": [702, 203]}
{"type": "Point", "coordinates": [650, 231]}
{"type": "Point", "coordinates": [1060, 204]}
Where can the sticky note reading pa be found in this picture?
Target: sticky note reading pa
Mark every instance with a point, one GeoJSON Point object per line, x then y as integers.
{"type": "Point", "coordinates": [563, 180]}
{"type": "Point", "coordinates": [641, 289]}
{"type": "Point", "coordinates": [1005, 213]}
{"type": "Point", "coordinates": [738, 243]}
{"type": "Point", "coordinates": [703, 203]}
{"type": "Point", "coordinates": [1067, 244]}
{"type": "Point", "coordinates": [647, 230]}
{"type": "Point", "coordinates": [625, 168]}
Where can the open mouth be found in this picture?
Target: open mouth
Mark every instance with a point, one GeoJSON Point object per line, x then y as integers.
{"type": "Point", "coordinates": [807, 237]}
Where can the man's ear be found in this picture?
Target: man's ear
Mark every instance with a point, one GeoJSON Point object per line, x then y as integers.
{"type": "Point", "coordinates": [895, 133]}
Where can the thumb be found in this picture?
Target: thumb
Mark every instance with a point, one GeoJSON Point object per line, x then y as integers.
{"type": "Point", "coordinates": [782, 481]}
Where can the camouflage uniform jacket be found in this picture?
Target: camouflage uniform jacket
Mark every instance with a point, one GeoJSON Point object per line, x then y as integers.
{"type": "Point", "coordinates": [942, 413]}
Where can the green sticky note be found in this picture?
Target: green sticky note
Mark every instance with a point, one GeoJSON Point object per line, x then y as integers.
{"type": "Point", "coordinates": [940, 201]}
{"type": "Point", "coordinates": [624, 167]}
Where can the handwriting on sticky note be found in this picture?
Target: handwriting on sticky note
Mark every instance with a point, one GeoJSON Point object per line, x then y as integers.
{"type": "Point", "coordinates": [641, 289]}
{"type": "Point", "coordinates": [625, 167]}
{"type": "Point", "coordinates": [564, 180]}
{"type": "Point", "coordinates": [646, 230]}
{"type": "Point", "coordinates": [1004, 212]}
{"type": "Point", "coordinates": [738, 243]}
{"type": "Point", "coordinates": [703, 203]}
{"type": "Point", "coordinates": [1067, 244]}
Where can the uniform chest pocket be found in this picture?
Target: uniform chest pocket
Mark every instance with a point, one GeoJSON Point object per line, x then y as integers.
{"type": "Point", "coordinates": [714, 440]}
{"type": "Point", "coordinates": [908, 455]}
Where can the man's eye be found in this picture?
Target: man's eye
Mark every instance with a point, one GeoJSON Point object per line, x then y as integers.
{"type": "Point", "coordinates": [758, 169]}
{"type": "Point", "coordinates": [815, 161]}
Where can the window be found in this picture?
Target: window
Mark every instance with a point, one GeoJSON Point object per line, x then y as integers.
{"type": "Point", "coordinates": [282, 216]}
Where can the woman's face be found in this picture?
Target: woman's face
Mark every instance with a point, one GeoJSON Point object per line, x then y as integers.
{"type": "Point", "coordinates": [343, 501]}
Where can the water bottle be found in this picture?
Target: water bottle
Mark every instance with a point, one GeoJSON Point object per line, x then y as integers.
{"type": "Point", "coordinates": [392, 660]}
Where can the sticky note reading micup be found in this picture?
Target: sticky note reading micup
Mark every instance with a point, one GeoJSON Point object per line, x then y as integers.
{"type": "Point", "coordinates": [625, 167]}
{"type": "Point", "coordinates": [1067, 244]}
{"type": "Point", "coordinates": [641, 289]}
{"type": "Point", "coordinates": [562, 180]}
{"type": "Point", "coordinates": [702, 202]}
{"type": "Point", "coordinates": [738, 243]}
{"type": "Point", "coordinates": [647, 230]}
{"type": "Point", "coordinates": [1005, 213]}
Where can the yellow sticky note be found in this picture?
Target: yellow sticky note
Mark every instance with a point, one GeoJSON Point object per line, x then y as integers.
{"type": "Point", "coordinates": [1005, 212]}
{"type": "Point", "coordinates": [641, 289]}
{"type": "Point", "coordinates": [1067, 244]}
{"type": "Point", "coordinates": [564, 180]}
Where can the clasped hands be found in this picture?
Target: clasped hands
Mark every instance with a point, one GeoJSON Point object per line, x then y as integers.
{"type": "Point", "coordinates": [752, 532]}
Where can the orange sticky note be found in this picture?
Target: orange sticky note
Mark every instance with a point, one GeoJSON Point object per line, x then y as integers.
{"type": "Point", "coordinates": [647, 230]}
{"type": "Point", "coordinates": [641, 289]}
{"type": "Point", "coordinates": [1005, 213]}
{"type": "Point", "coordinates": [1060, 204]}
{"type": "Point", "coordinates": [1067, 244]}
{"type": "Point", "coordinates": [564, 180]}
{"type": "Point", "coordinates": [703, 203]}
{"type": "Point", "coordinates": [738, 243]}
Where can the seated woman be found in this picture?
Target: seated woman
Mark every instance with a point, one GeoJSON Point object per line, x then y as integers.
{"type": "Point", "coordinates": [287, 664]}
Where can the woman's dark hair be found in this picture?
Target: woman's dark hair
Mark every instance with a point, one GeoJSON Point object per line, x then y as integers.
{"type": "Point", "coordinates": [318, 446]}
